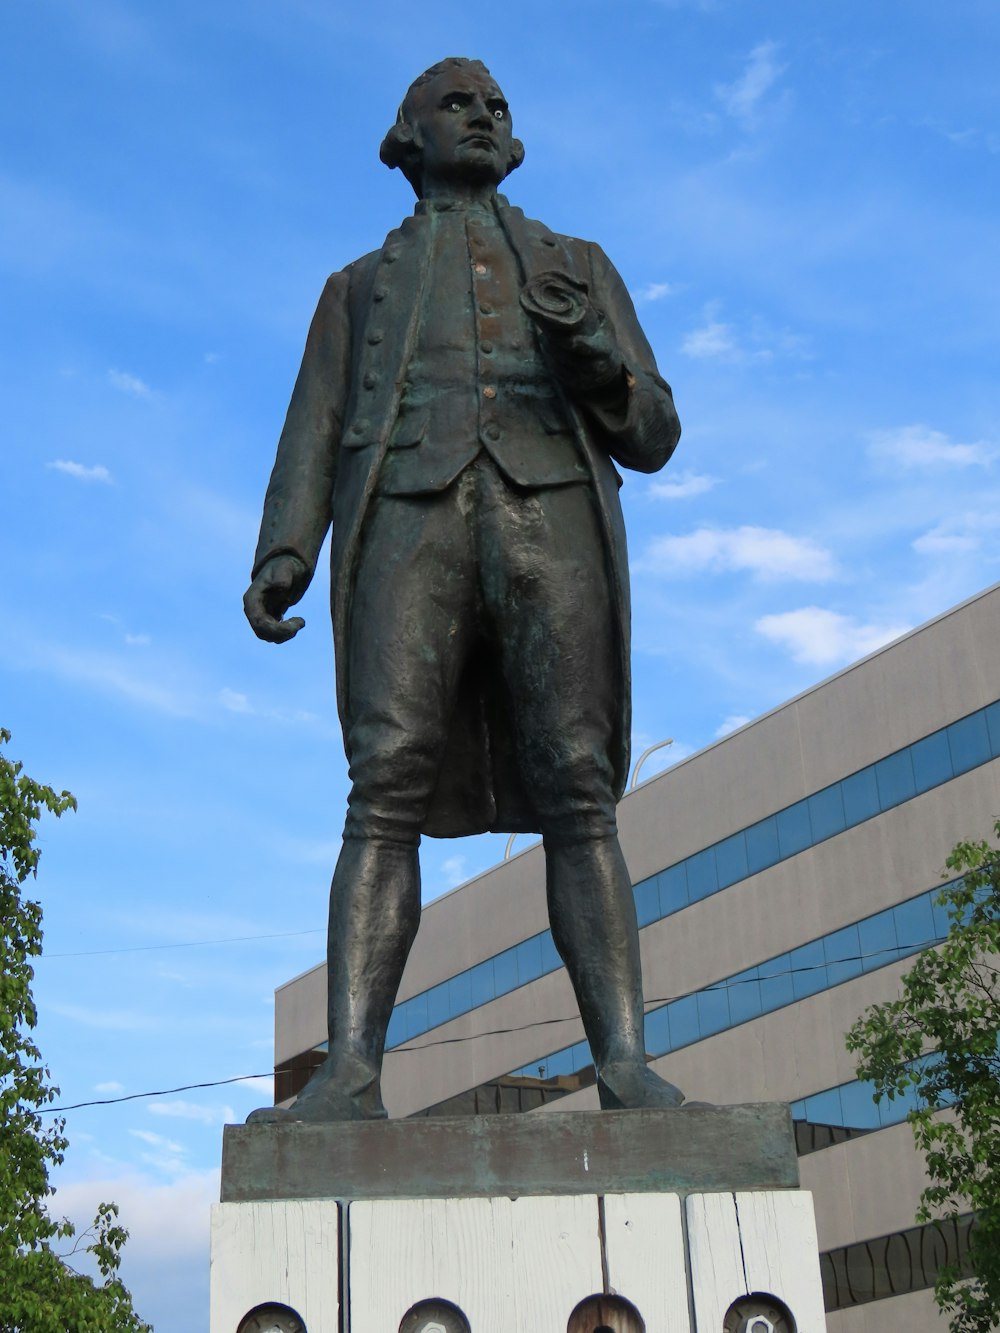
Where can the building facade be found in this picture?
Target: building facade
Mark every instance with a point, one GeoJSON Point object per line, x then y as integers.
{"type": "Point", "coordinates": [784, 878]}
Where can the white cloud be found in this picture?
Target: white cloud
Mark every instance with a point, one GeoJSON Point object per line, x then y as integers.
{"type": "Point", "coordinates": [130, 384]}
{"type": "Point", "coordinates": [654, 291]}
{"type": "Point", "coordinates": [767, 553]}
{"type": "Point", "coordinates": [453, 870]}
{"type": "Point", "coordinates": [713, 339]}
{"type": "Point", "coordinates": [235, 701]}
{"type": "Point", "coordinates": [138, 640]}
{"type": "Point", "coordinates": [165, 1260]}
{"type": "Point", "coordinates": [742, 98]}
{"type": "Point", "coordinates": [157, 1140]}
{"type": "Point", "coordinates": [822, 638]}
{"type": "Point", "coordinates": [682, 485]}
{"type": "Point", "coordinates": [919, 446]}
{"type": "Point", "coordinates": [940, 542]}
{"type": "Point", "coordinates": [731, 723]}
{"type": "Point", "coordinates": [182, 1110]}
{"type": "Point", "coordinates": [82, 472]}
{"type": "Point", "coordinates": [961, 533]}
{"type": "Point", "coordinates": [110, 1086]}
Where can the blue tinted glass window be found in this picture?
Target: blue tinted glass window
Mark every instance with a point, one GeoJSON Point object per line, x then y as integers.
{"type": "Point", "coordinates": [701, 874]}
{"type": "Point", "coordinates": [970, 742]}
{"type": "Point", "coordinates": [762, 845]}
{"type": "Point", "coordinates": [529, 959]}
{"type": "Point", "coordinates": [713, 1010]}
{"type": "Point", "coordinates": [460, 994]}
{"type": "Point", "coordinates": [858, 1102]}
{"type": "Point", "coordinates": [550, 954]}
{"type": "Point", "coordinates": [580, 1056]}
{"type": "Point", "coordinates": [775, 983]}
{"type": "Point", "coordinates": [731, 860]}
{"type": "Point", "coordinates": [561, 1062]}
{"type": "Point", "coordinates": [931, 761]}
{"type": "Point", "coordinates": [683, 1022]}
{"type": "Point", "coordinates": [942, 921]}
{"type": "Point", "coordinates": [842, 952]}
{"type": "Point", "coordinates": [647, 901]}
{"type": "Point", "coordinates": [798, 1109]}
{"type": "Point", "coordinates": [416, 1015]}
{"type": "Point", "coordinates": [826, 813]}
{"type": "Point", "coordinates": [437, 1006]}
{"type": "Point", "coordinates": [993, 727]}
{"type": "Point", "coordinates": [673, 889]}
{"type": "Point", "coordinates": [914, 923]}
{"type": "Point", "coordinates": [481, 983]}
{"type": "Point", "coordinates": [397, 1027]}
{"type": "Point", "coordinates": [794, 831]}
{"type": "Point", "coordinates": [505, 971]}
{"type": "Point", "coordinates": [808, 969]}
{"type": "Point", "coordinates": [894, 776]}
{"type": "Point", "coordinates": [744, 996]}
{"type": "Point", "coordinates": [860, 797]}
{"type": "Point", "coordinates": [823, 1108]}
{"type": "Point", "coordinates": [878, 940]}
{"type": "Point", "coordinates": [658, 1031]}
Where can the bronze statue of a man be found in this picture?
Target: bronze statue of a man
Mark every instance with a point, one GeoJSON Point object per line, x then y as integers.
{"type": "Point", "coordinates": [465, 392]}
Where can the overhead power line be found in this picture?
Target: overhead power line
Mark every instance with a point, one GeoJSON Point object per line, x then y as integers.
{"type": "Point", "coordinates": [504, 1032]}
{"type": "Point", "coordinates": [187, 944]}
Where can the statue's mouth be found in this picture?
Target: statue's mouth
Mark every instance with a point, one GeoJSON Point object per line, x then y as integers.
{"type": "Point", "coordinates": [479, 141]}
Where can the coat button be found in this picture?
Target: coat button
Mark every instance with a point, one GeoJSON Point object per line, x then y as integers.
{"type": "Point", "coordinates": [370, 380]}
{"type": "Point", "coordinates": [479, 268]}
{"type": "Point", "coordinates": [375, 337]}
{"type": "Point", "coordinates": [492, 431]}
{"type": "Point", "coordinates": [390, 256]}
{"type": "Point", "coordinates": [486, 347]}
{"type": "Point", "coordinates": [489, 391]}
{"type": "Point", "coordinates": [359, 427]}
{"type": "Point", "coordinates": [485, 308]}
{"type": "Point", "coordinates": [380, 293]}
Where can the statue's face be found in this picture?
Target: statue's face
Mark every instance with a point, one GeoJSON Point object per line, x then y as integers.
{"type": "Point", "coordinates": [462, 126]}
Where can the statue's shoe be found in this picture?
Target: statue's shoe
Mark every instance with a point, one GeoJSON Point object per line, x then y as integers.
{"type": "Point", "coordinates": [629, 1086]}
{"type": "Point", "coordinates": [332, 1094]}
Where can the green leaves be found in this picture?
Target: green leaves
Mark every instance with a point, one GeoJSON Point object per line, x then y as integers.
{"type": "Point", "coordinates": [948, 1013]}
{"type": "Point", "coordinates": [41, 1291]}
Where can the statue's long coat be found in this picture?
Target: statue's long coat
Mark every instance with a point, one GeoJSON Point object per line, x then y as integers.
{"type": "Point", "coordinates": [340, 419]}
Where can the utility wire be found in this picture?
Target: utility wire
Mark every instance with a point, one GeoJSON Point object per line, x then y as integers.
{"type": "Point", "coordinates": [523, 1027]}
{"type": "Point", "coordinates": [189, 944]}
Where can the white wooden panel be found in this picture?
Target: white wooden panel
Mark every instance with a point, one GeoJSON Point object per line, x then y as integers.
{"type": "Point", "coordinates": [286, 1252]}
{"type": "Point", "coordinates": [505, 1263]}
{"type": "Point", "coordinates": [778, 1233]}
{"type": "Point", "coordinates": [645, 1254]}
{"type": "Point", "coordinates": [748, 1242]}
{"type": "Point", "coordinates": [557, 1261]}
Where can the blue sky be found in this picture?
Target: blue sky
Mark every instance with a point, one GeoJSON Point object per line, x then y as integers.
{"type": "Point", "coordinates": [802, 199]}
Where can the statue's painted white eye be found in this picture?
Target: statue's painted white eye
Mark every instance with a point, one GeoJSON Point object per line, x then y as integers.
{"type": "Point", "coordinates": [498, 114]}
{"type": "Point", "coordinates": [455, 106]}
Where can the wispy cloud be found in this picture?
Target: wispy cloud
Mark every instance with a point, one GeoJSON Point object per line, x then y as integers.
{"type": "Point", "coordinates": [109, 1087]}
{"type": "Point", "coordinates": [820, 637]}
{"type": "Point", "coordinates": [716, 339]}
{"type": "Point", "coordinates": [961, 534]}
{"type": "Point", "coordinates": [743, 98]}
{"type": "Point", "coordinates": [109, 1020]}
{"type": "Point", "coordinates": [235, 701]}
{"type": "Point", "coordinates": [919, 446]}
{"type": "Point", "coordinates": [682, 486]}
{"type": "Point", "coordinates": [731, 723]}
{"type": "Point", "coordinates": [81, 471]}
{"type": "Point", "coordinates": [129, 384]}
{"type": "Point", "coordinates": [654, 291]}
{"type": "Point", "coordinates": [766, 553]}
{"type": "Point", "coordinates": [182, 1110]}
{"type": "Point", "coordinates": [453, 870]}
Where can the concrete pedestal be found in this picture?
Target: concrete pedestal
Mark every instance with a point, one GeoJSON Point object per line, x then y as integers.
{"type": "Point", "coordinates": [582, 1223]}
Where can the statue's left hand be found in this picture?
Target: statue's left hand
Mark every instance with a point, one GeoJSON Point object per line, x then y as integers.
{"type": "Point", "coordinates": [277, 586]}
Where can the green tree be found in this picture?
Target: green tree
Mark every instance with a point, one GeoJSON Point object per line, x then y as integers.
{"type": "Point", "coordinates": [40, 1292]}
{"type": "Point", "coordinates": [939, 1040]}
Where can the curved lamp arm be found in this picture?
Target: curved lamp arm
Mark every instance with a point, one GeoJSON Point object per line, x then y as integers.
{"type": "Point", "coordinates": [660, 745]}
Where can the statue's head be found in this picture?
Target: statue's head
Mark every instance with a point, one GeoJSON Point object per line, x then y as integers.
{"type": "Point", "coordinates": [453, 124]}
